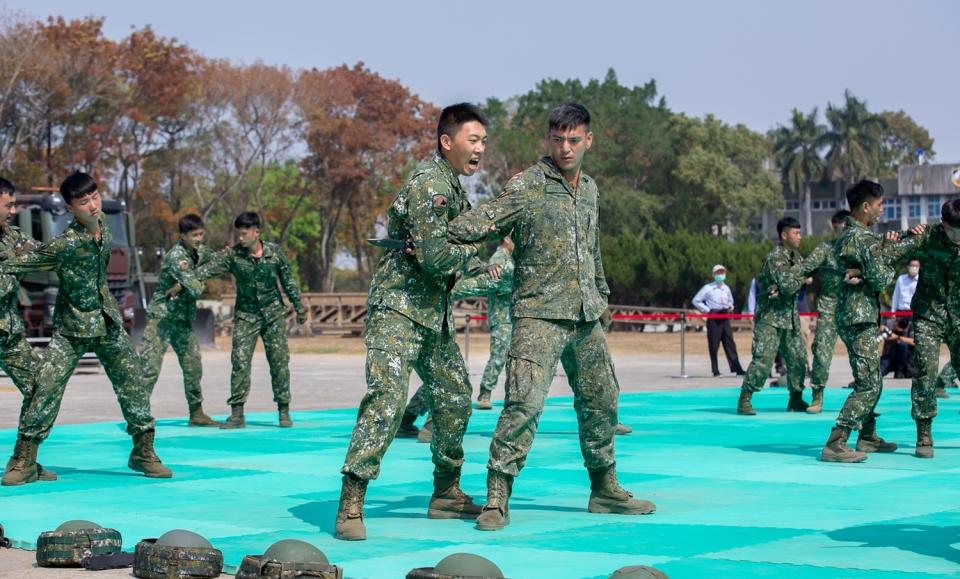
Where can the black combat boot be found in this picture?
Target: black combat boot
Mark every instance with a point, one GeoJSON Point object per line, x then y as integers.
{"type": "Point", "coordinates": [743, 405]}
{"type": "Point", "coordinates": [448, 500]}
{"type": "Point", "coordinates": [353, 493]}
{"type": "Point", "coordinates": [236, 419]}
{"type": "Point", "coordinates": [407, 427]}
{"type": "Point", "coordinates": [924, 447]}
{"type": "Point", "coordinates": [796, 403]}
{"type": "Point", "coordinates": [496, 513]}
{"type": "Point", "coordinates": [836, 449]}
{"type": "Point", "coordinates": [143, 458]}
{"type": "Point", "coordinates": [607, 496]}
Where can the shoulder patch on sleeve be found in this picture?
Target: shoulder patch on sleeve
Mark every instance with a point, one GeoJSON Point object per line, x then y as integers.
{"type": "Point", "coordinates": [439, 201]}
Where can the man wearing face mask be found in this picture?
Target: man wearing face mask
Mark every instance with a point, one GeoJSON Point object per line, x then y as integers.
{"type": "Point", "coordinates": [906, 286]}
{"type": "Point", "coordinates": [716, 298]}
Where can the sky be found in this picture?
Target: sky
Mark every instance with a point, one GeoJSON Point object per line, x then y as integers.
{"type": "Point", "coordinates": [747, 62]}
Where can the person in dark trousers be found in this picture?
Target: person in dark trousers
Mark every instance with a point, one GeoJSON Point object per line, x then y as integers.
{"type": "Point", "coordinates": [716, 298]}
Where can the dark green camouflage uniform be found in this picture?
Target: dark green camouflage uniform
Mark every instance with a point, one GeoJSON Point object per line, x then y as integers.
{"type": "Point", "coordinates": [947, 377]}
{"type": "Point", "coordinates": [410, 325]}
{"type": "Point", "coordinates": [936, 314]}
{"type": "Point", "coordinates": [170, 322]}
{"type": "Point", "coordinates": [559, 295]}
{"type": "Point", "coordinates": [258, 313]}
{"type": "Point", "coordinates": [87, 318]}
{"type": "Point", "coordinates": [858, 316]}
{"type": "Point", "coordinates": [498, 319]}
{"type": "Point", "coordinates": [16, 355]}
{"type": "Point", "coordinates": [777, 323]}
{"type": "Point", "coordinates": [822, 258]}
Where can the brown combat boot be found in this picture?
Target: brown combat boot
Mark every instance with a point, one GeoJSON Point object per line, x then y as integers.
{"type": "Point", "coordinates": [496, 513]}
{"type": "Point", "coordinates": [22, 466]}
{"type": "Point", "coordinates": [607, 496]}
{"type": "Point", "coordinates": [622, 429]}
{"type": "Point", "coordinates": [284, 411]}
{"type": "Point", "coordinates": [836, 449]}
{"type": "Point", "coordinates": [869, 441]}
{"type": "Point", "coordinates": [743, 405]}
{"type": "Point", "coordinates": [407, 427]}
{"type": "Point", "coordinates": [144, 459]}
{"type": "Point", "coordinates": [483, 400]}
{"type": "Point", "coordinates": [43, 474]}
{"type": "Point", "coordinates": [199, 418]}
{"type": "Point", "coordinates": [353, 493]}
{"type": "Point", "coordinates": [426, 431]}
{"type": "Point", "coordinates": [236, 419]}
{"type": "Point", "coordinates": [924, 447]}
{"type": "Point", "coordinates": [796, 403]}
{"type": "Point", "coordinates": [816, 404]}
{"type": "Point", "coordinates": [448, 500]}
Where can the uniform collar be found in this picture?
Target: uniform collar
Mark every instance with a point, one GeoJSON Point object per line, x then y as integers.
{"type": "Point", "coordinates": [267, 249]}
{"type": "Point", "coordinates": [851, 222]}
{"type": "Point", "coordinates": [83, 232]}
{"type": "Point", "coordinates": [447, 169]}
{"type": "Point", "coordinates": [189, 251]}
{"type": "Point", "coordinates": [551, 170]}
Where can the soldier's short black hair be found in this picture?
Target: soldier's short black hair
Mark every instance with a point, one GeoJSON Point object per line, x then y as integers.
{"type": "Point", "coordinates": [950, 213]}
{"type": "Point", "coordinates": [787, 223]}
{"type": "Point", "coordinates": [839, 217]}
{"type": "Point", "coordinates": [77, 186]}
{"type": "Point", "coordinates": [246, 220]}
{"type": "Point", "coordinates": [7, 188]}
{"type": "Point", "coordinates": [453, 116]}
{"type": "Point", "coordinates": [569, 116]}
{"type": "Point", "coordinates": [863, 190]}
{"type": "Point", "coordinates": [190, 222]}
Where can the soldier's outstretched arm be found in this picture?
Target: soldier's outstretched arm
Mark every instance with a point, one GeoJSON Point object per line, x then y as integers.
{"type": "Point", "coordinates": [44, 258]}
{"type": "Point", "coordinates": [216, 264]}
{"type": "Point", "coordinates": [787, 278]}
{"type": "Point", "coordinates": [428, 219]}
{"type": "Point", "coordinates": [876, 268]}
{"type": "Point", "coordinates": [496, 216]}
{"type": "Point", "coordinates": [815, 260]}
{"type": "Point", "coordinates": [909, 245]}
{"type": "Point", "coordinates": [186, 276]}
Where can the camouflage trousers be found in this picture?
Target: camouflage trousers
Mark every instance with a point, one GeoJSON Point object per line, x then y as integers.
{"type": "Point", "coordinates": [156, 337]}
{"type": "Point", "coordinates": [396, 345]}
{"type": "Point", "coordinates": [246, 329]}
{"type": "Point", "coordinates": [419, 403]}
{"type": "Point", "coordinates": [20, 363]}
{"type": "Point", "coordinates": [120, 362]}
{"type": "Point", "coordinates": [499, 346]}
{"type": "Point", "coordinates": [537, 345]}
{"type": "Point", "coordinates": [864, 353]}
{"type": "Point", "coordinates": [947, 377]}
{"type": "Point", "coordinates": [767, 341]}
{"type": "Point", "coordinates": [927, 337]}
{"type": "Point", "coordinates": [824, 342]}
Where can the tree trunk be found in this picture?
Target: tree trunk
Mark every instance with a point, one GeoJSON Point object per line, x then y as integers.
{"type": "Point", "coordinates": [357, 245]}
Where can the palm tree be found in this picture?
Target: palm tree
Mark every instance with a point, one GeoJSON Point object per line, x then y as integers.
{"type": "Point", "coordinates": [797, 151]}
{"type": "Point", "coordinates": [854, 140]}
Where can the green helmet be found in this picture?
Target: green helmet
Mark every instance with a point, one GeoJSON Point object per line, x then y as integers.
{"type": "Point", "coordinates": [467, 565]}
{"type": "Point", "coordinates": [638, 572]}
{"type": "Point", "coordinates": [183, 538]}
{"type": "Point", "coordinates": [295, 551]}
{"type": "Point", "coordinates": [78, 525]}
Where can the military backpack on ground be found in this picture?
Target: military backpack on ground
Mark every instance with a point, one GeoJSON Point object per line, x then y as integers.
{"type": "Point", "coordinates": [69, 548]}
{"type": "Point", "coordinates": [152, 561]}
{"type": "Point", "coordinates": [257, 567]}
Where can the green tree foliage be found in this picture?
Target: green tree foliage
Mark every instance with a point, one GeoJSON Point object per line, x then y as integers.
{"type": "Point", "coordinates": [797, 151]}
{"type": "Point", "coordinates": [900, 141]}
{"type": "Point", "coordinates": [854, 139]}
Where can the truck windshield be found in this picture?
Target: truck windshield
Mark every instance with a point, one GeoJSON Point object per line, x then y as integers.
{"type": "Point", "coordinates": [115, 222]}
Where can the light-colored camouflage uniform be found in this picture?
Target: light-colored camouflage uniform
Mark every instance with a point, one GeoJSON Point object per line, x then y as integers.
{"type": "Point", "coordinates": [87, 318]}
{"type": "Point", "coordinates": [410, 325]}
{"type": "Point", "coordinates": [822, 258]}
{"type": "Point", "coordinates": [170, 322]}
{"type": "Point", "coordinates": [258, 313]}
{"type": "Point", "coordinates": [559, 294]}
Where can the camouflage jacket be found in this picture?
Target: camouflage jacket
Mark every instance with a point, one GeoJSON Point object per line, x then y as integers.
{"type": "Point", "coordinates": [418, 286]}
{"type": "Point", "coordinates": [559, 272]}
{"type": "Point", "coordinates": [258, 293]}
{"type": "Point", "coordinates": [822, 259]}
{"type": "Point", "coordinates": [859, 248]}
{"type": "Point", "coordinates": [781, 271]}
{"type": "Point", "coordinates": [12, 243]}
{"type": "Point", "coordinates": [498, 292]}
{"type": "Point", "coordinates": [80, 262]}
{"type": "Point", "coordinates": [938, 291]}
{"type": "Point", "coordinates": [179, 267]}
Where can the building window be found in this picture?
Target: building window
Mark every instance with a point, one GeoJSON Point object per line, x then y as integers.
{"type": "Point", "coordinates": [914, 207]}
{"type": "Point", "coordinates": [793, 206]}
{"type": "Point", "coordinates": [891, 209]}
{"type": "Point", "coordinates": [933, 206]}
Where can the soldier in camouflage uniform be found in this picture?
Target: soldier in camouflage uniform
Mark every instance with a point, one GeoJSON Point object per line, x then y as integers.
{"type": "Point", "coordinates": [498, 318]}
{"type": "Point", "coordinates": [947, 377]}
{"type": "Point", "coordinates": [170, 318]}
{"type": "Point", "coordinates": [936, 316]}
{"type": "Point", "coordinates": [410, 327]}
{"type": "Point", "coordinates": [257, 266]}
{"type": "Point", "coordinates": [87, 318]}
{"type": "Point", "coordinates": [822, 259]}
{"type": "Point", "coordinates": [17, 357]}
{"type": "Point", "coordinates": [860, 250]}
{"type": "Point", "coordinates": [559, 298]}
{"type": "Point", "coordinates": [777, 323]}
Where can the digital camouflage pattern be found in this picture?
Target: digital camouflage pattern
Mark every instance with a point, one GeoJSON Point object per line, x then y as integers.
{"type": "Point", "coordinates": [558, 269]}
{"type": "Point", "coordinates": [559, 295]}
{"type": "Point", "coordinates": [947, 377]}
{"type": "Point", "coordinates": [258, 313]}
{"type": "Point", "coordinates": [410, 326]}
{"type": "Point", "coordinates": [170, 322]}
{"type": "Point", "coordinates": [17, 358]}
{"type": "Point", "coordinates": [418, 286]}
{"type": "Point", "coordinates": [936, 314]}
{"type": "Point", "coordinates": [87, 318]}
{"type": "Point", "coordinates": [776, 322]}
{"type": "Point", "coordinates": [822, 259]}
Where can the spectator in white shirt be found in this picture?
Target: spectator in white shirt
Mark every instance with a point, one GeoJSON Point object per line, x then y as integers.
{"type": "Point", "coordinates": [906, 287]}
{"type": "Point", "coordinates": [716, 298]}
